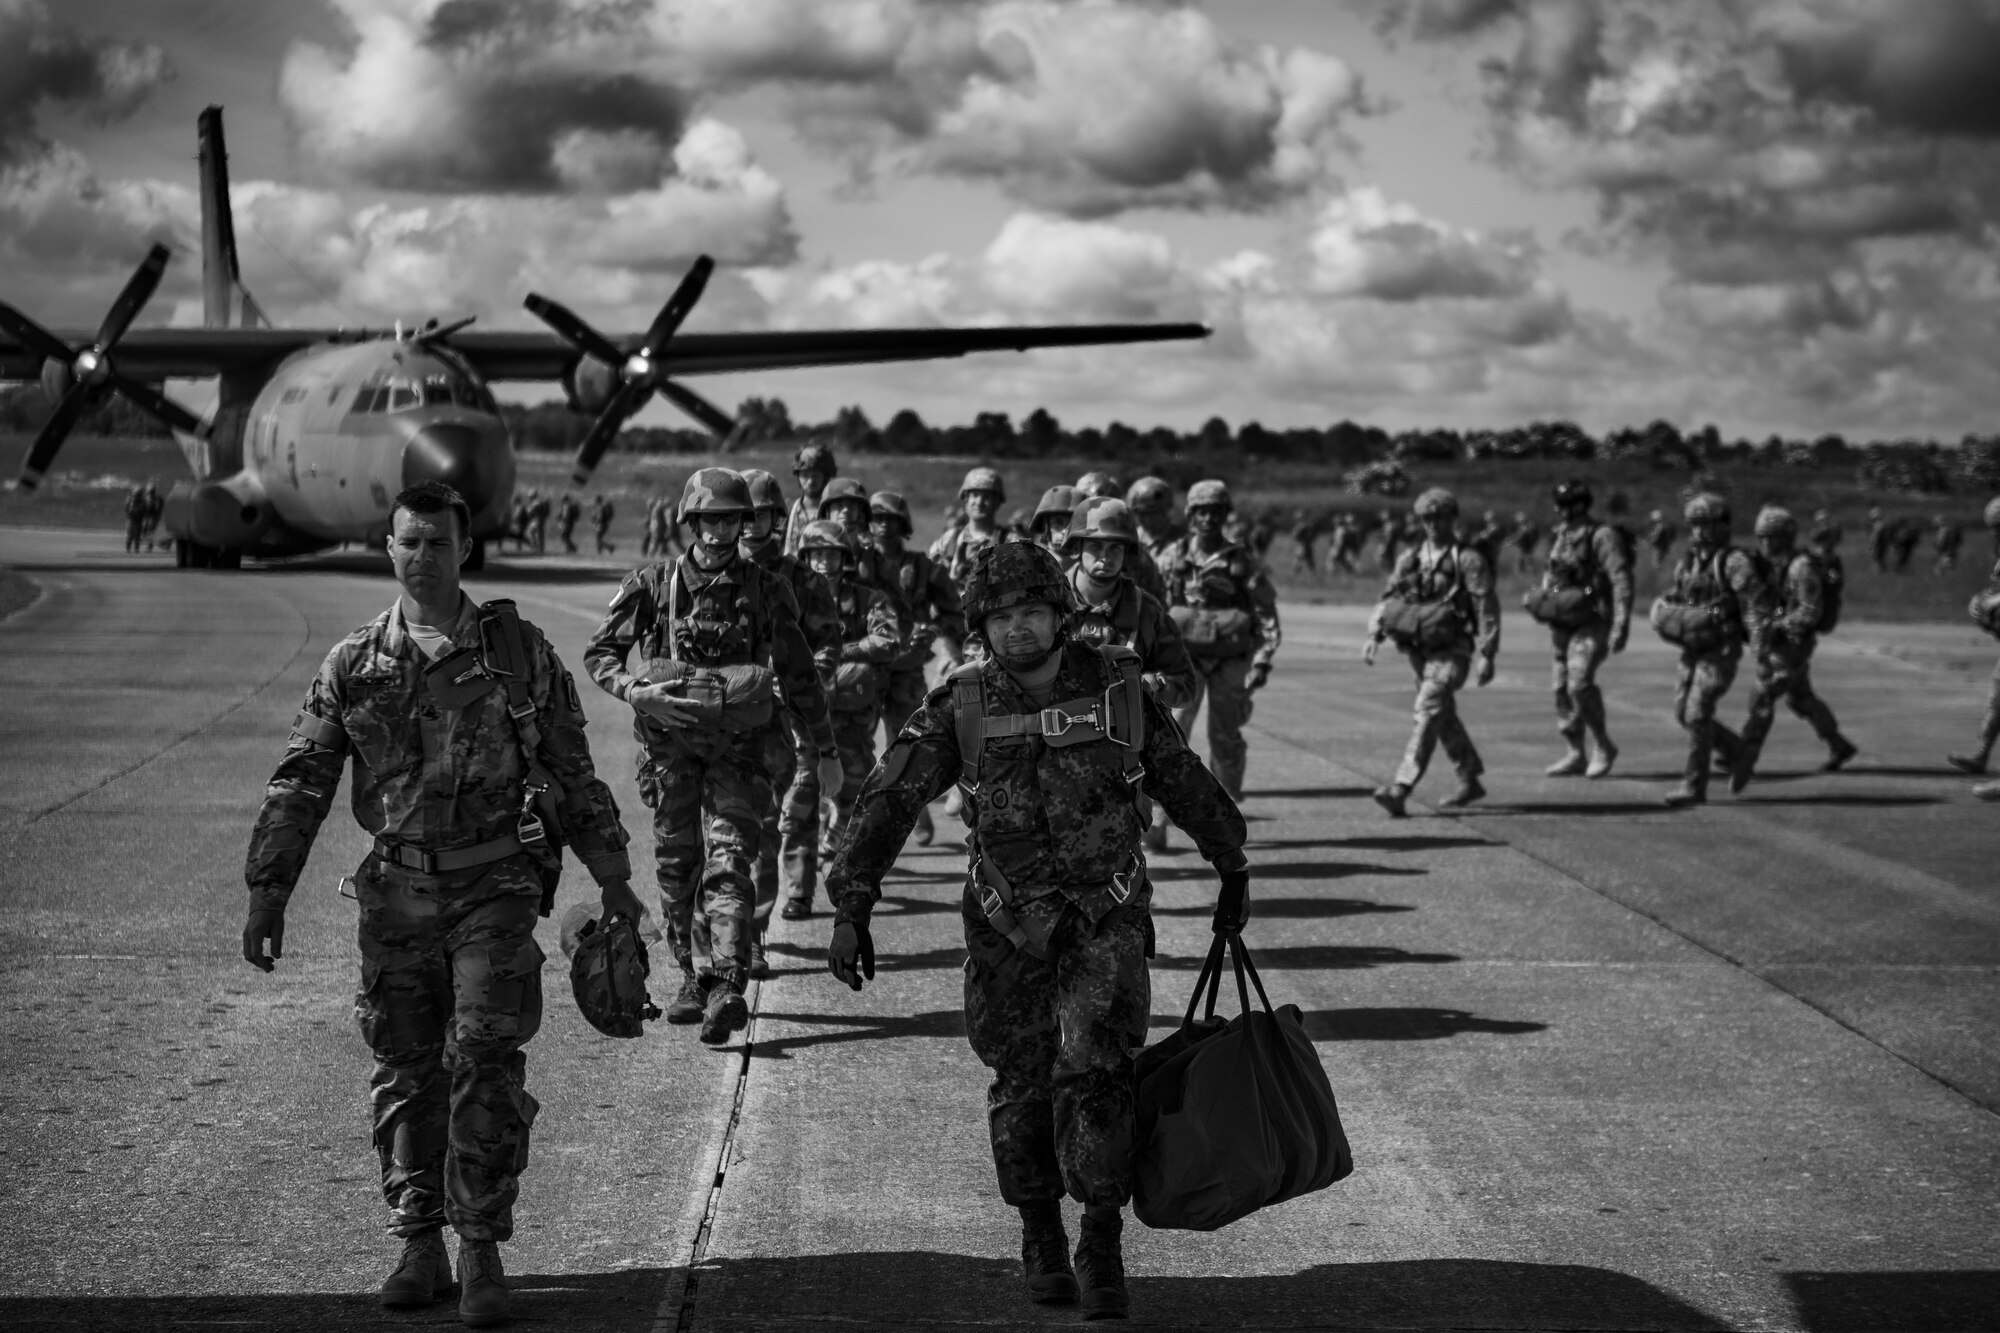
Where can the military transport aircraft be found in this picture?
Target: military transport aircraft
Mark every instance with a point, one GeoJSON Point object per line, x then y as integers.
{"type": "Point", "coordinates": [315, 430]}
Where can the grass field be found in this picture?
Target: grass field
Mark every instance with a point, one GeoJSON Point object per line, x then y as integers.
{"type": "Point", "coordinates": [88, 488]}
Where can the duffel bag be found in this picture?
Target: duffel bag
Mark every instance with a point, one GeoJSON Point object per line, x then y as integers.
{"type": "Point", "coordinates": [1232, 1116]}
{"type": "Point", "coordinates": [1984, 608]}
{"type": "Point", "coordinates": [728, 698]}
{"type": "Point", "coordinates": [1422, 625]}
{"type": "Point", "coordinates": [1209, 632]}
{"type": "Point", "coordinates": [1686, 625]}
{"type": "Point", "coordinates": [1561, 608]}
{"type": "Point", "coordinates": [857, 687]}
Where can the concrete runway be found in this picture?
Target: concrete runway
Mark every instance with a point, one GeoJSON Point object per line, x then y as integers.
{"type": "Point", "coordinates": [1604, 1066]}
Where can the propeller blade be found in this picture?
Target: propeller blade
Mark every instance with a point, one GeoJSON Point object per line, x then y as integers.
{"type": "Point", "coordinates": [698, 407]}
{"type": "Point", "coordinates": [572, 330]}
{"type": "Point", "coordinates": [132, 300]}
{"type": "Point", "coordinates": [161, 407]}
{"type": "Point", "coordinates": [54, 431]}
{"type": "Point", "coordinates": [34, 337]}
{"type": "Point", "coordinates": [629, 399]}
{"type": "Point", "coordinates": [678, 305]}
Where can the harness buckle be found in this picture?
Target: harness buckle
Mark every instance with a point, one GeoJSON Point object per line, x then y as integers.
{"type": "Point", "coordinates": [413, 858]}
{"type": "Point", "coordinates": [1122, 885]}
{"type": "Point", "coordinates": [990, 901]}
{"type": "Point", "coordinates": [1055, 722]}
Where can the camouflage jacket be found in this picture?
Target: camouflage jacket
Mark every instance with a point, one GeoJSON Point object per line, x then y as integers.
{"type": "Point", "coordinates": [1053, 819]}
{"type": "Point", "coordinates": [1160, 544]}
{"type": "Point", "coordinates": [867, 624]}
{"type": "Point", "coordinates": [1798, 598]}
{"type": "Point", "coordinates": [717, 607]}
{"type": "Point", "coordinates": [869, 568]}
{"type": "Point", "coordinates": [819, 618]}
{"type": "Point", "coordinates": [1427, 573]}
{"type": "Point", "coordinates": [1733, 578]}
{"type": "Point", "coordinates": [933, 601]}
{"type": "Point", "coordinates": [425, 775]}
{"type": "Point", "coordinates": [955, 549]}
{"type": "Point", "coordinates": [1229, 578]}
{"type": "Point", "coordinates": [1144, 570]}
{"type": "Point", "coordinates": [1592, 555]}
{"type": "Point", "coordinates": [802, 512]}
{"type": "Point", "coordinates": [1135, 619]}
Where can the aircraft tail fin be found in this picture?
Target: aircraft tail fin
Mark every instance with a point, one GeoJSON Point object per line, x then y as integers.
{"type": "Point", "coordinates": [223, 293]}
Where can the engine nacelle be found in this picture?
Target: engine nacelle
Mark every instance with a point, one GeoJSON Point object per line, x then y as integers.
{"type": "Point", "coordinates": [589, 385]}
{"type": "Point", "coordinates": [56, 379]}
{"type": "Point", "coordinates": [230, 512]}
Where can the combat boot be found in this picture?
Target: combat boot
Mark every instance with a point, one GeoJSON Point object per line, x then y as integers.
{"type": "Point", "coordinates": [926, 832]}
{"type": "Point", "coordinates": [1392, 799]}
{"type": "Point", "coordinates": [1843, 750]}
{"type": "Point", "coordinates": [1974, 764]}
{"type": "Point", "coordinates": [1600, 764]}
{"type": "Point", "coordinates": [1570, 764]}
{"type": "Point", "coordinates": [796, 909]}
{"type": "Point", "coordinates": [687, 1005]}
{"type": "Point", "coordinates": [1100, 1264]}
{"type": "Point", "coordinates": [1686, 794]}
{"type": "Point", "coordinates": [1742, 766]}
{"type": "Point", "coordinates": [1469, 790]}
{"type": "Point", "coordinates": [760, 963]}
{"type": "Point", "coordinates": [1045, 1254]}
{"type": "Point", "coordinates": [483, 1296]}
{"type": "Point", "coordinates": [422, 1275]}
{"type": "Point", "coordinates": [726, 1012]}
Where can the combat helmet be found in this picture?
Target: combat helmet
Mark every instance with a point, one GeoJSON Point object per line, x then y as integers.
{"type": "Point", "coordinates": [1057, 502]}
{"type": "Point", "coordinates": [1150, 495]}
{"type": "Point", "coordinates": [1572, 491]}
{"type": "Point", "coordinates": [765, 492]}
{"type": "Point", "coordinates": [714, 490]}
{"type": "Point", "coordinates": [1706, 507]}
{"type": "Point", "coordinates": [1436, 501]}
{"type": "Point", "coordinates": [984, 479]}
{"type": "Point", "coordinates": [1993, 512]}
{"type": "Point", "coordinates": [839, 489]}
{"type": "Point", "coordinates": [1096, 485]}
{"type": "Point", "coordinates": [1012, 572]}
{"type": "Point", "coordinates": [1102, 519]}
{"type": "Point", "coordinates": [814, 457]}
{"type": "Point", "coordinates": [891, 504]}
{"type": "Point", "coordinates": [1773, 521]}
{"type": "Point", "coordinates": [607, 972]}
{"type": "Point", "coordinates": [1210, 494]}
{"type": "Point", "coordinates": [823, 534]}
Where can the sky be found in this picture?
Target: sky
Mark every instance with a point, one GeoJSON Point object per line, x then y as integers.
{"type": "Point", "coordinates": [1776, 216]}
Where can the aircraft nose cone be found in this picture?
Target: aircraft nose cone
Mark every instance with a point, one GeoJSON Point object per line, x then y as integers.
{"type": "Point", "coordinates": [457, 455]}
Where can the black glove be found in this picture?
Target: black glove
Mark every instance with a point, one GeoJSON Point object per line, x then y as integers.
{"type": "Point", "coordinates": [1232, 905]}
{"type": "Point", "coordinates": [852, 944]}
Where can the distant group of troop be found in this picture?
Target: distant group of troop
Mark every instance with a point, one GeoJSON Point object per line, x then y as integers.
{"type": "Point", "coordinates": [528, 524]}
{"type": "Point", "coordinates": [143, 507]}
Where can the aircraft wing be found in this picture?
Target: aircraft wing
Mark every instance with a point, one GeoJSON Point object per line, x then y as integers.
{"type": "Point", "coordinates": [157, 354]}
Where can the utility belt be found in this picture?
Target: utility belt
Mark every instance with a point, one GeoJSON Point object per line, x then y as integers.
{"type": "Point", "coordinates": [998, 901]}
{"type": "Point", "coordinates": [425, 862]}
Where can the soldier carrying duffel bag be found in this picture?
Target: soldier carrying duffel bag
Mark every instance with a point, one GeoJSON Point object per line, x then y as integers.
{"type": "Point", "coordinates": [1585, 598]}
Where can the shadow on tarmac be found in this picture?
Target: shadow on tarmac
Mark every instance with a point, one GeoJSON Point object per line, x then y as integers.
{"type": "Point", "coordinates": [1300, 908]}
{"type": "Point", "coordinates": [874, 1027]}
{"type": "Point", "coordinates": [1308, 793]}
{"type": "Point", "coordinates": [1939, 1302]}
{"type": "Point", "coordinates": [1292, 957]}
{"type": "Point", "coordinates": [1268, 870]}
{"type": "Point", "coordinates": [1388, 1024]}
{"type": "Point", "coordinates": [1415, 842]}
{"type": "Point", "coordinates": [1835, 798]}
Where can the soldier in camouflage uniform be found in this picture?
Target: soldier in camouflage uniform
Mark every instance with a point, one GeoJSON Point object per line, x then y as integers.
{"type": "Point", "coordinates": [1151, 501]}
{"type": "Point", "coordinates": [1440, 568]}
{"type": "Point", "coordinates": [1975, 760]}
{"type": "Point", "coordinates": [450, 971]}
{"type": "Point", "coordinates": [813, 467]}
{"type": "Point", "coordinates": [869, 642]}
{"type": "Point", "coordinates": [982, 494]}
{"type": "Point", "coordinates": [845, 503]}
{"type": "Point", "coordinates": [1056, 905]}
{"type": "Point", "coordinates": [933, 601]}
{"type": "Point", "coordinates": [1049, 527]}
{"type": "Point", "coordinates": [1784, 668]}
{"type": "Point", "coordinates": [1589, 556]}
{"type": "Point", "coordinates": [1730, 580]}
{"type": "Point", "coordinates": [709, 609]}
{"type": "Point", "coordinates": [1208, 573]}
{"type": "Point", "coordinates": [1111, 608]}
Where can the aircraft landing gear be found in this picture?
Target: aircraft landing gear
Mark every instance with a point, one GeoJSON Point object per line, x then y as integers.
{"type": "Point", "coordinates": [193, 555]}
{"type": "Point", "coordinates": [477, 560]}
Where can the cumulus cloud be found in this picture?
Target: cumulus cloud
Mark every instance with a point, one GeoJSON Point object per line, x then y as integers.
{"type": "Point", "coordinates": [63, 230]}
{"type": "Point", "coordinates": [45, 62]}
{"type": "Point", "coordinates": [1932, 67]}
{"type": "Point", "coordinates": [1362, 244]}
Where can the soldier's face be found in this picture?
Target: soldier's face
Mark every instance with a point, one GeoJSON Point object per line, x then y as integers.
{"type": "Point", "coordinates": [718, 532]}
{"type": "Point", "coordinates": [1207, 518]}
{"type": "Point", "coordinates": [850, 514]}
{"type": "Point", "coordinates": [427, 550]}
{"type": "Point", "coordinates": [1101, 560]}
{"type": "Point", "coordinates": [1055, 531]}
{"type": "Point", "coordinates": [981, 505]}
{"type": "Point", "coordinates": [1023, 632]}
{"type": "Point", "coordinates": [1440, 527]}
{"type": "Point", "coordinates": [1708, 532]}
{"type": "Point", "coordinates": [812, 481]}
{"type": "Point", "coordinates": [1775, 545]}
{"type": "Point", "coordinates": [763, 522]}
{"type": "Point", "coordinates": [826, 562]}
{"type": "Point", "coordinates": [886, 529]}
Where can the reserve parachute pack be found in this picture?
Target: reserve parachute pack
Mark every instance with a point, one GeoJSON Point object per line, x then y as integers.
{"type": "Point", "coordinates": [1575, 604]}
{"type": "Point", "coordinates": [736, 698]}
{"type": "Point", "coordinates": [1427, 625]}
{"type": "Point", "coordinates": [1213, 631]}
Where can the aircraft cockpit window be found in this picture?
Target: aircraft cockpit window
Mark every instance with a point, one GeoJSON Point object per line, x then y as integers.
{"type": "Point", "coordinates": [437, 390]}
{"type": "Point", "coordinates": [372, 398]}
{"type": "Point", "coordinates": [464, 394]}
{"type": "Point", "coordinates": [403, 396]}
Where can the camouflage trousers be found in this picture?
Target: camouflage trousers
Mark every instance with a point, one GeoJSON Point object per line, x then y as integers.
{"type": "Point", "coordinates": [1223, 681]}
{"type": "Point", "coordinates": [716, 796]}
{"type": "Point", "coordinates": [1579, 703]}
{"type": "Point", "coordinates": [451, 990]}
{"type": "Point", "coordinates": [854, 733]}
{"type": "Point", "coordinates": [1059, 1038]}
{"type": "Point", "coordinates": [1704, 678]}
{"type": "Point", "coordinates": [1989, 730]}
{"type": "Point", "coordinates": [1440, 676]}
{"type": "Point", "coordinates": [1785, 672]}
{"type": "Point", "coordinates": [798, 819]}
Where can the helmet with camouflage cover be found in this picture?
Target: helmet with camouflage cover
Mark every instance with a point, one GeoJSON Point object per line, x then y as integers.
{"type": "Point", "coordinates": [1103, 519]}
{"type": "Point", "coordinates": [891, 504]}
{"type": "Point", "coordinates": [1774, 521]}
{"type": "Point", "coordinates": [607, 972]}
{"type": "Point", "coordinates": [765, 492]}
{"type": "Point", "coordinates": [1993, 512]}
{"type": "Point", "coordinates": [1057, 502]}
{"type": "Point", "coordinates": [1150, 495]}
{"type": "Point", "coordinates": [984, 479]}
{"type": "Point", "coordinates": [839, 489]}
{"type": "Point", "coordinates": [1210, 494]}
{"type": "Point", "coordinates": [1009, 573]}
{"type": "Point", "coordinates": [1437, 502]}
{"type": "Point", "coordinates": [815, 457]}
{"type": "Point", "coordinates": [1095, 485]}
{"type": "Point", "coordinates": [1706, 507]}
{"type": "Point", "coordinates": [823, 534]}
{"type": "Point", "coordinates": [715, 490]}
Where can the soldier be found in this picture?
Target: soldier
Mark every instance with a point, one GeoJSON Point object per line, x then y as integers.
{"type": "Point", "coordinates": [939, 625]}
{"type": "Point", "coordinates": [1909, 533]}
{"type": "Point", "coordinates": [156, 507]}
{"type": "Point", "coordinates": [568, 511]}
{"type": "Point", "coordinates": [1826, 534]}
{"type": "Point", "coordinates": [1049, 528]}
{"type": "Point", "coordinates": [461, 866]}
{"type": "Point", "coordinates": [1151, 501]}
{"type": "Point", "coordinates": [1585, 598]}
{"type": "Point", "coordinates": [1723, 586]}
{"type": "Point", "coordinates": [845, 503]}
{"type": "Point", "coordinates": [1056, 905]}
{"type": "Point", "coordinates": [1525, 539]}
{"type": "Point", "coordinates": [1784, 667]}
{"type": "Point", "coordinates": [1230, 625]}
{"type": "Point", "coordinates": [1660, 536]}
{"type": "Point", "coordinates": [1098, 486]}
{"type": "Point", "coordinates": [538, 520]}
{"type": "Point", "coordinates": [135, 519]}
{"type": "Point", "coordinates": [601, 513]}
{"type": "Point", "coordinates": [1393, 536]}
{"type": "Point", "coordinates": [1881, 538]}
{"type": "Point", "coordinates": [1113, 609]}
{"type": "Point", "coordinates": [1974, 760]}
{"type": "Point", "coordinates": [704, 769]}
{"type": "Point", "coordinates": [790, 836]}
{"type": "Point", "coordinates": [869, 642]}
{"type": "Point", "coordinates": [1305, 532]}
{"type": "Point", "coordinates": [1139, 564]}
{"type": "Point", "coordinates": [1455, 583]}
{"type": "Point", "coordinates": [1342, 546]}
{"type": "Point", "coordinates": [813, 467]}
{"type": "Point", "coordinates": [982, 494]}
{"type": "Point", "coordinates": [1950, 538]}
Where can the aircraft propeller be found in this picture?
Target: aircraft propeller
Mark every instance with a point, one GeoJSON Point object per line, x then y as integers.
{"type": "Point", "coordinates": [640, 375]}
{"type": "Point", "coordinates": [91, 372]}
